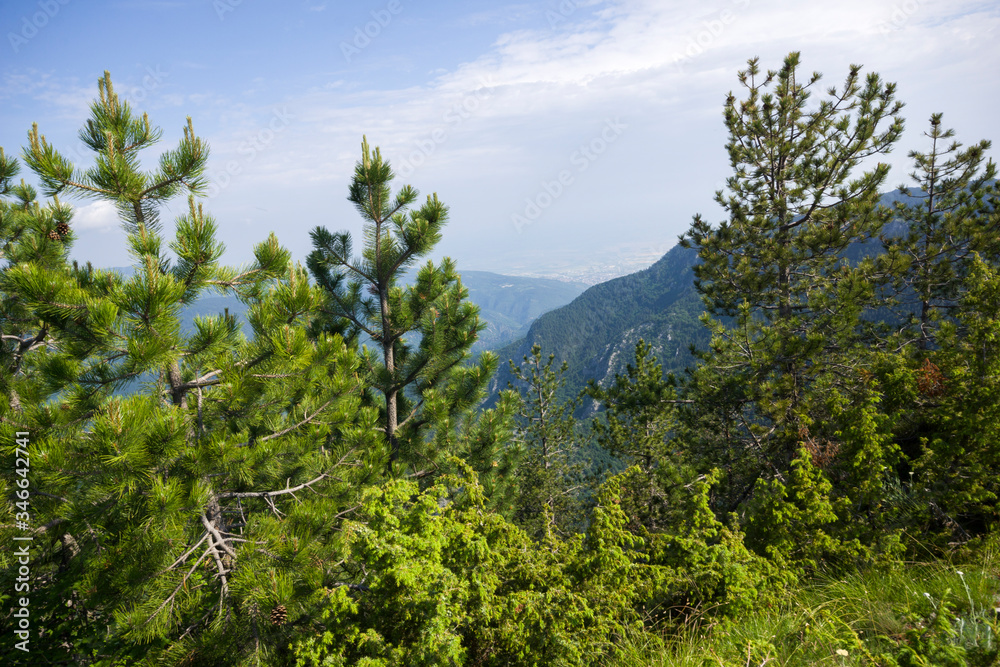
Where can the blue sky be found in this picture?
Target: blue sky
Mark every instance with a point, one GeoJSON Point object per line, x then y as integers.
{"type": "Point", "coordinates": [562, 134]}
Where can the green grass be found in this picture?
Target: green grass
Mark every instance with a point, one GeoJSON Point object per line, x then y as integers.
{"type": "Point", "coordinates": [935, 614]}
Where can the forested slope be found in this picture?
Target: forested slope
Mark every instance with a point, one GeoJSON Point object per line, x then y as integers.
{"type": "Point", "coordinates": [597, 331]}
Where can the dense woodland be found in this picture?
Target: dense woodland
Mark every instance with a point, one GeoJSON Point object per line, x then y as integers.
{"type": "Point", "coordinates": [334, 483]}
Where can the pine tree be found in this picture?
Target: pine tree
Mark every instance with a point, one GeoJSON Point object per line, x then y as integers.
{"type": "Point", "coordinates": [950, 217]}
{"type": "Point", "coordinates": [638, 424]}
{"type": "Point", "coordinates": [957, 470]}
{"type": "Point", "coordinates": [29, 237]}
{"type": "Point", "coordinates": [549, 484]}
{"type": "Point", "coordinates": [423, 332]}
{"type": "Point", "coordinates": [775, 275]}
{"type": "Point", "coordinates": [207, 497]}
{"type": "Point", "coordinates": [117, 137]}
{"type": "Point", "coordinates": [29, 234]}
{"type": "Point", "coordinates": [950, 239]}
{"type": "Point", "coordinates": [639, 411]}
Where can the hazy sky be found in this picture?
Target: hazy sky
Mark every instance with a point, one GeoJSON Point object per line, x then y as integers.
{"type": "Point", "coordinates": [556, 131]}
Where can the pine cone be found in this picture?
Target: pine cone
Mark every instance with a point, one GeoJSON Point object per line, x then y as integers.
{"type": "Point", "coordinates": [54, 235]}
{"type": "Point", "coordinates": [62, 229]}
{"type": "Point", "coordinates": [279, 615]}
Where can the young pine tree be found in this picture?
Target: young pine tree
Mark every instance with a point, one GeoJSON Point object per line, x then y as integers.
{"type": "Point", "coordinates": [783, 301]}
{"type": "Point", "coordinates": [637, 425]}
{"type": "Point", "coordinates": [187, 521]}
{"type": "Point", "coordinates": [549, 484]}
{"type": "Point", "coordinates": [425, 387]}
{"type": "Point", "coordinates": [951, 216]}
{"type": "Point", "coordinates": [940, 261]}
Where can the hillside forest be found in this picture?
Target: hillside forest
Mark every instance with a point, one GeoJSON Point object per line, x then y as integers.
{"type": "Point", "coordinates": [777, 446]}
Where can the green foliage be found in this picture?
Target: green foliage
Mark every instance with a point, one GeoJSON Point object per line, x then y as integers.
{"type": "Point", "coordinates": [706, 568]}
{"type": "Point", "coordinates": [423, 388]}
{"type": "Point", "coordinates": [951, 217]}
{"type": "Point", "coordinates": [448, 580]}
{"type": "Point", "coordinates": [702, 565]}
{"type": "Point", "coordinates": [410, 600]}
{"type": "Point", "coordinates": [790, 520]}
{"type": "Point", "coordinates": [863, 461]}
{"type": "Point", "coordinates": [931, 642]}
{"type": "Point", "coordinates": [549, 486]}
{"type": "Point", "coordinates": [775, 269]}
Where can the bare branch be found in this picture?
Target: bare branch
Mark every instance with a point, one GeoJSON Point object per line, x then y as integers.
{"type": "Point", "coordinates": [219, 539]}
{"type": "Point", "coordinates": [272, 494]}
{"type": "Point", "coordinates": [186, 554]}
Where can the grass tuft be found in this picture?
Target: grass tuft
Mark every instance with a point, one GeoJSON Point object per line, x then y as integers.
{"type": "Point", "coordinates": [914, 614]}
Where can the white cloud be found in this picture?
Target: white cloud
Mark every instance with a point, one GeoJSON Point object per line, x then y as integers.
{"type": "Point", "coordinates": [97, 216]}
{"type": "Point", "coordinates": [64, 97]}
{"type": "Point", "coordinates": [663, 66]}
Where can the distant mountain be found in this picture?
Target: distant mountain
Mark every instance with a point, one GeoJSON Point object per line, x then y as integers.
{"type": "Point", "coordinates": [596, 333]}
{"type": "Point", "coordinates": [508, 304]}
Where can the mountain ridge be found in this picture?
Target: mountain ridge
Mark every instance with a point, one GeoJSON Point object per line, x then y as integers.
{"type": "Point", "coordinates": [597, 332]}
{"type": "Point", "coordinates": [508, 304]}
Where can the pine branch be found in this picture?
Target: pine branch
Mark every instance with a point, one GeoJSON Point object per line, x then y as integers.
{"type": "Point", "coordinates": [206, 380]}
{"type": "Point", "coordinates": [220, 541]}
{"type": "Point", "coordinates": [185, 555]}
{"type": "Point", "coordinates": [305, 421]}
{"type": "Point", "coordinates": [184, 580]}
{"type": "Point", "coordinates": [273, 494]}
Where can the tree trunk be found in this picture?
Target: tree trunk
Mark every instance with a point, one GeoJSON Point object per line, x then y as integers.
{"type": "Point", "coordinates": [177, 394]}
{"type": "Point", "coordinates": [388, 358]}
